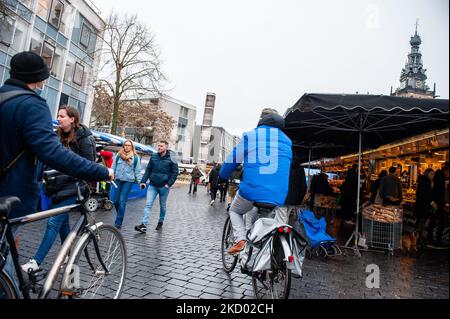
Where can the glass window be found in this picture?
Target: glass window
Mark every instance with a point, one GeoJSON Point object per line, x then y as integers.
{"type": "Point", "coordinates": [56, 13]}
{"type": "Point", "coordinates": [69, 71]}
{"type": "Point", "coordinates": [64, 100]}
{"type": "Point", "coordinates": [78, 74]}
{"type": "Point", "coordinates": [36, 46]}
{"type": "Point", "coordinates": [85, 35]}
{"type": "Point", "coordinates": [19, 37]}
{"type": "Point", "coordinates": [43, 8]}
{"type": "Point", "coordinates": [48, 52]}
{"type": "Point", "coordinates": [6, 30]}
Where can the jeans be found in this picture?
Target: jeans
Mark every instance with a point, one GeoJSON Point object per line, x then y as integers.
{"type": "Point", "coordinates": [152, 192]}
{"type": "Point", "coordinates": [56, 224]}
{"type": "Point", "coordinates": [9, 265]}
{"type": "Point", "coordinates": [120, 200]}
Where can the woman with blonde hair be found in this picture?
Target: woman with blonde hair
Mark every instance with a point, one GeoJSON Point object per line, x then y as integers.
{"type": "Point", "coordinates": [127, 170]}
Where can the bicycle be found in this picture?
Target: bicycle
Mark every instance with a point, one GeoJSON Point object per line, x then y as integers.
{"type": "Point", "coordinates": [271, 284]}
{"type": "Point", "coordinates": [97, 261]}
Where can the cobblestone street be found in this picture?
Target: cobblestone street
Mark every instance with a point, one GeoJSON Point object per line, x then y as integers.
{"type": "Point", "coordinates": [183, 259]}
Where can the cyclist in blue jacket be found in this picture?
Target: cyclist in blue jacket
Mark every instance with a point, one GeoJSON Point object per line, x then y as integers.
{"type": "Point", "coordinates": [266, 154]}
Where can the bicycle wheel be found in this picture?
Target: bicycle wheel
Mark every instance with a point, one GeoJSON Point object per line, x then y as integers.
{"type": "Point", "coordinates": [276, 283]}
{"type": "Point", "coordinates": [85, 276]}
{"type": "Point", "coordinates": [229, 261]}
{"type": "Point", "coordinates": [7, 290]}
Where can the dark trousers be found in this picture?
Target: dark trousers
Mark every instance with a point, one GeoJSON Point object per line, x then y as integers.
{"type": "Point", "coordinates": [213, 192]}
{"type": "Point", "coordinates": [193, 182]}
{"type": "Point", "coordinates": [436, 218]}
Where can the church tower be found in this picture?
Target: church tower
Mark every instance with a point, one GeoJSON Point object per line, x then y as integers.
{"type": "Point", "coordinates": [413, 77]}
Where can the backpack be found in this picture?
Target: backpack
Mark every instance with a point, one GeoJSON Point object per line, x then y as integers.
{"type": "Point", "coordinates": [4, 97]}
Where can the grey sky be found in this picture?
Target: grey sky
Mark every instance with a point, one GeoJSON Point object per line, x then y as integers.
{"type": "Point", "coordinates": [267, 53]}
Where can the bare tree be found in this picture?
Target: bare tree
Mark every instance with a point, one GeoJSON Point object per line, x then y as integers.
{"type": "Point", "coordinates": [148, 120]}
{"type": "Point", "coordinates": [131, 63]}
{"type": "Point", "coordinates": [102, 107]}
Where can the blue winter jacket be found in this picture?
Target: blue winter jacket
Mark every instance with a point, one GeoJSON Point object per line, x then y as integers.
{"type": "Point", "coordinates": [266, 154]}
{"type": "Point", "coordinates": [161, 170]}
{"type": "Point", "coordinates": [26, 122]}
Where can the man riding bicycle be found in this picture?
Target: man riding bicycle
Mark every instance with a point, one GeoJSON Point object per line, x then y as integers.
{"type": "Point", "coordinates": [266, 154]}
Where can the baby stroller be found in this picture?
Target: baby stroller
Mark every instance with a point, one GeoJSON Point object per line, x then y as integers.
{"type": "Point", "coordinates": [100, 194]}
{"type": "Point", "coordinates": [321, 244]}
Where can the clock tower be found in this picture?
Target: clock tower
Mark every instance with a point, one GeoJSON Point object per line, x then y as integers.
{"type": "Point", "coordinates": [413, 77]}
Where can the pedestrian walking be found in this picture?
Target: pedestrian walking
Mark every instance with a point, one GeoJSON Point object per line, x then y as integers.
{"type": "Point", "coordinates": [233, 186]}
{"type": "Point", "coordinates": [127, 170]}
{"type": "Point", "coordinates": [391, 188]}
{"type": "Point", "coordinates": [63, 190]}
{"type": "Point", "coordinates": [162, 171]}
{"type": "Point", "coordinates": [195, 179]}
{"type": "Point", "coordinates": [214, 182]}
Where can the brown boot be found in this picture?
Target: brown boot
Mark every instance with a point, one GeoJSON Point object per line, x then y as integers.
{"type": "Point", "coordinates": [237, 248]}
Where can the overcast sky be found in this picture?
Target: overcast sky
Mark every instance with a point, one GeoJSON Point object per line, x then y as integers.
{"type": "Point", "coordinates": [268, 53]}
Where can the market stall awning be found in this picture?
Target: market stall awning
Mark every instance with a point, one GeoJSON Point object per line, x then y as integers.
{"type": "Point", "coordinates": [337, 119]}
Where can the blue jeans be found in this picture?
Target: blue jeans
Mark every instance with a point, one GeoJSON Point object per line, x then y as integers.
{"type": "Point", "coordinates": [120, 200]}
{"type": "Point", "coordinates": [56, 224]}
{"type": "Point", "coordinates": [9, 265]}
{"type": "Point", "coordinates": [152, 192]}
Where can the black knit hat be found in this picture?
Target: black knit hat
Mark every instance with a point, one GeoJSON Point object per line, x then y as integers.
{"type": "Point", "coordinates": [28, 67]}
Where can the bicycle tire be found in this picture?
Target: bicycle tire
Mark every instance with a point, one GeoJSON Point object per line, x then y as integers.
{"type": "Point", "coordinates": [266, 288]}
{"type": "Point", "coordinates": [84, 266]}
{"type": "Point", "coordinates": [229, 262]}
{"type": "Point", "coordinates": [7, 290]}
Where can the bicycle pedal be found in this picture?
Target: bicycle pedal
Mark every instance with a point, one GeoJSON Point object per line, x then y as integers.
{"type": "Point", "coordinates": [37, 275]}
{"type": "Point", "coordinates": [70, 292]}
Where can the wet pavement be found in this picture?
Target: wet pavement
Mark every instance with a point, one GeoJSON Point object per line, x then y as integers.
{"type": "Point", "coordinates": [183, 259]}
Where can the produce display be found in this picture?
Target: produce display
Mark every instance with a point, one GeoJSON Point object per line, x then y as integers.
{"type": "Point", "coordinates": [385, 214]}
{"type": "Point", "coordinates": [323, 201]}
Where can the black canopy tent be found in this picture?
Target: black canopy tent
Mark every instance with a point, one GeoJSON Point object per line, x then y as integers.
{"type": "Point", "coordinates": [360, 122]}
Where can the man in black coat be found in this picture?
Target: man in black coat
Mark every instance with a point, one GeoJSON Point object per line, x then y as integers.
{"type": "Point", "coordinates": [26, 134]}
{"type": "Point", "coordinates": [296, 193]}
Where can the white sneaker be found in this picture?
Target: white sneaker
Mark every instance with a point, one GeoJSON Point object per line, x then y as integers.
{"type": "Point", "coordinates": [212, 202]}
{"type": "Point", "coordinates": [31, 264]}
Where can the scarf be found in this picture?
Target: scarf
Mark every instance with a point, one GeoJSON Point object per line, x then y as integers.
{"type": "Point", "coordinates": [127, 157]}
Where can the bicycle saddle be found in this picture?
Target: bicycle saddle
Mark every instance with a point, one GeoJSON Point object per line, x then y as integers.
{"type": "Point", "coordinates": [264, 205]}
{"type": "Point", "coordinates": [6, 203]}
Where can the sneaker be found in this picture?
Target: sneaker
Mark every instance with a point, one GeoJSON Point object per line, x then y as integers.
{"type": "Point", "coordinates": [159, 226]}
{"type": "Point", "coordinates": [141, 228]}
{"type": "Point", "coordinates": [237, 248]}
{"type": "Point", "coordinates": [212, 202]}
{"type": "Point", "coordinates": [31, 264]}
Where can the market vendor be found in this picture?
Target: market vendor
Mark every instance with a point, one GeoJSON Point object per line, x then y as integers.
{"type": "Point", "coordinates": [391, 188]}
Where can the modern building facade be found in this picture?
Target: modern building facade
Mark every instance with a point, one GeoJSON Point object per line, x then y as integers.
{"type": "Point", "coordinates": [66, 34]}
{"type": "Point", "coordinates": [182, 134]}
{"type": "Point", "coordinates": [413, 76]}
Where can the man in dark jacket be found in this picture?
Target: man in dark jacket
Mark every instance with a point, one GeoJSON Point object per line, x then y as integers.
{"type": "Point", "coordinates": [26, 134]}
{"type": "Point", "coordinates": [440, 199]}
{"type": "Point", "coordinates": [297, 189]}
{"type": "Point", "coordinates": [162, 171]}
{"type": "Point", "coordinates": [391, 188]}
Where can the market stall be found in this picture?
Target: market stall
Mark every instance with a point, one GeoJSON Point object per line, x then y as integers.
{"type": "Point", "coordinates": [362, 122]}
